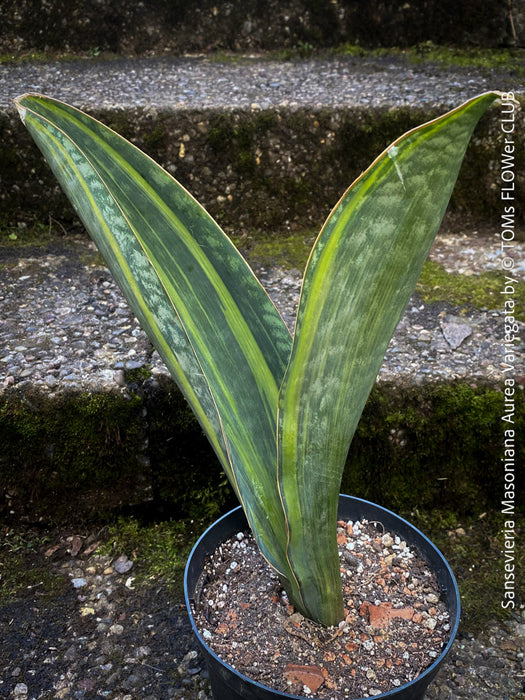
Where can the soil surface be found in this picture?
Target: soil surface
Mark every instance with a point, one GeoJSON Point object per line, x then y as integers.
{"type": "Point", "coordinates": [86, 629]}
{"type": "Point", "coordinates": [396, 623]}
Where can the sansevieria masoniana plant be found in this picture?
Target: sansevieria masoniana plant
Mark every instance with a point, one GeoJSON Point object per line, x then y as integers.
{"type": "Point", "coordinates": [280, 411]}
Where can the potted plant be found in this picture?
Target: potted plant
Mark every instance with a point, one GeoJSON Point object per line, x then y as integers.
{"type": "Point", "coordinates": [279, 409]}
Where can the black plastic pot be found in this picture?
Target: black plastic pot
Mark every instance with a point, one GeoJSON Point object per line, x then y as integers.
{"type": "Point", "coordinates": [229, 684]}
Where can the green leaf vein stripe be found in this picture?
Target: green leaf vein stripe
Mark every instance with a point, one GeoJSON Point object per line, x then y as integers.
{"type": "Point", "coordinates": [359, 278]}
{"type": "Point", "coordinates": [205, 311]}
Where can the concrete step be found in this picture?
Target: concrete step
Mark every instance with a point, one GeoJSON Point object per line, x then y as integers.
{"type": "Point", "coordinates": [90, 419]}
{"type": "Point", "coordinates": [65, 326]}
{"type": "Point", "coordinates": [88, 415]}
{"type": "Point", "coordinates": [158, 27]}
{"type": "Point", "coordinates": [262, 144]}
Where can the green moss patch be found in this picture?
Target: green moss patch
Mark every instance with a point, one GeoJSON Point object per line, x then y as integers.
{"type": "Point", "coordinates": [66, 454]}
{"type": "Point", "coordinates": [90, 457]}
{"type": "Point", "coordinates": [504, 59]}
{"type": "Point", "coordinates": [434, 446]}
{"type": "Point", "coordinates": [24, 570]}
{"type": "Point", "coordinates": [177, 27]}
{"type": "Point", "coordinates": [159, 550]}
{"type": "Point", "coordinates": [38, 234]}
{"type": "Point", "coordinates": [186, 478]}
{"type": "Point", "coordinates": [290, 251]}
{"type": "Point", "coordinates": [480, 291]}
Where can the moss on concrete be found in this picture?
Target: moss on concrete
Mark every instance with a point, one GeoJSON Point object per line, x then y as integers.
{"type": "Point", "coordinates": [185, 475]}
{"type": "Point", "coordinates": [485, 59]}
{"type": "Point", "coordinates": [235, 142]}
{"type": "Point", "coordinates": [438, 445]}
{"type": "Point", "coordinates": [260, 170]}
{"type": "Point", "coordinates": [290, 251]}
{"type": "Point", "coordinates": [161, 26]}
{"type": "Point", "coordinates": [90, 455]}
{"type": "Point", "coordinates": [160, 549]}
{"type": "Point", "coordinates": [37, 234]}
{"type": "Point", "coordinates": [479, 291]}
{"type": "Point", "coordinates": [59, 454]}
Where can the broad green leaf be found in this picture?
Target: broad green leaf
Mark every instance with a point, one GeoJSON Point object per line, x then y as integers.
{"type": "Point", "coordinates": [359, 278]}
{"type": "Point", "coordinates": [202, 307]}
{"type": "Point", "coordinates": [280, 417]}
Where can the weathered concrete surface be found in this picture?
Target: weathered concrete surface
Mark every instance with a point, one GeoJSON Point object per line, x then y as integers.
{"type": "Point", "coordinates": [261, 144]}
{"type": "Point", "coordinates": [160, 27]}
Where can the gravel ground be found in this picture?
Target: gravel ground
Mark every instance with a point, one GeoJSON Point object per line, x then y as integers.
{"type": "Point", "coordinates": [80, 334]}
{"type": "Point", "coordinates": [101, 637]}
{"type": "Point", "coordinates": [195, 83]}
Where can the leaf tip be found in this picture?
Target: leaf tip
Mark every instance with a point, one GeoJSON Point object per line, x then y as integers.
{"type": "Point", "coordinates": [22, 111]}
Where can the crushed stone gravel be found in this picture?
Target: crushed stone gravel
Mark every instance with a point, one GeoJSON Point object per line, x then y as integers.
{"type": "Point", "coordinates": [200, 82]}
{"type": "Point", "coordinates": [80, 333]}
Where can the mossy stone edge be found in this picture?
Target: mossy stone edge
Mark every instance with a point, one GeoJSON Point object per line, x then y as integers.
{"type": "Point", "coordinates": [91, 455]}
{"type": "Point", "coordinates": [178, 27]}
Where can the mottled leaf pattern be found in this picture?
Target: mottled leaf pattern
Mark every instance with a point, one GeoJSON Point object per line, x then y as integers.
{"type": "Point", "coordinates": [200, 303]}
{"type": "Point", "coordinates": [280, 415]}
{"type": "Point", "coordinates": [362, 271]}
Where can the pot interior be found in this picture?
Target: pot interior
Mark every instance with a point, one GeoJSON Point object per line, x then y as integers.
{"type": "Point", "coordinates": [228, 684]}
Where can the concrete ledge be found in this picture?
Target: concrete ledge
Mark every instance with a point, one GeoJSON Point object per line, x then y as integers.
{"type": "Point", "coordinates": [174, 26]}
{"type": "Point", "coordinates": [257, 169]}
{"type": "Point", "coordinates": [415, 447]}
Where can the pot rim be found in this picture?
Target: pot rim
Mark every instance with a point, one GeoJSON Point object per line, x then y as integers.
{"type": "Point", "coordinates": [430, 670]}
